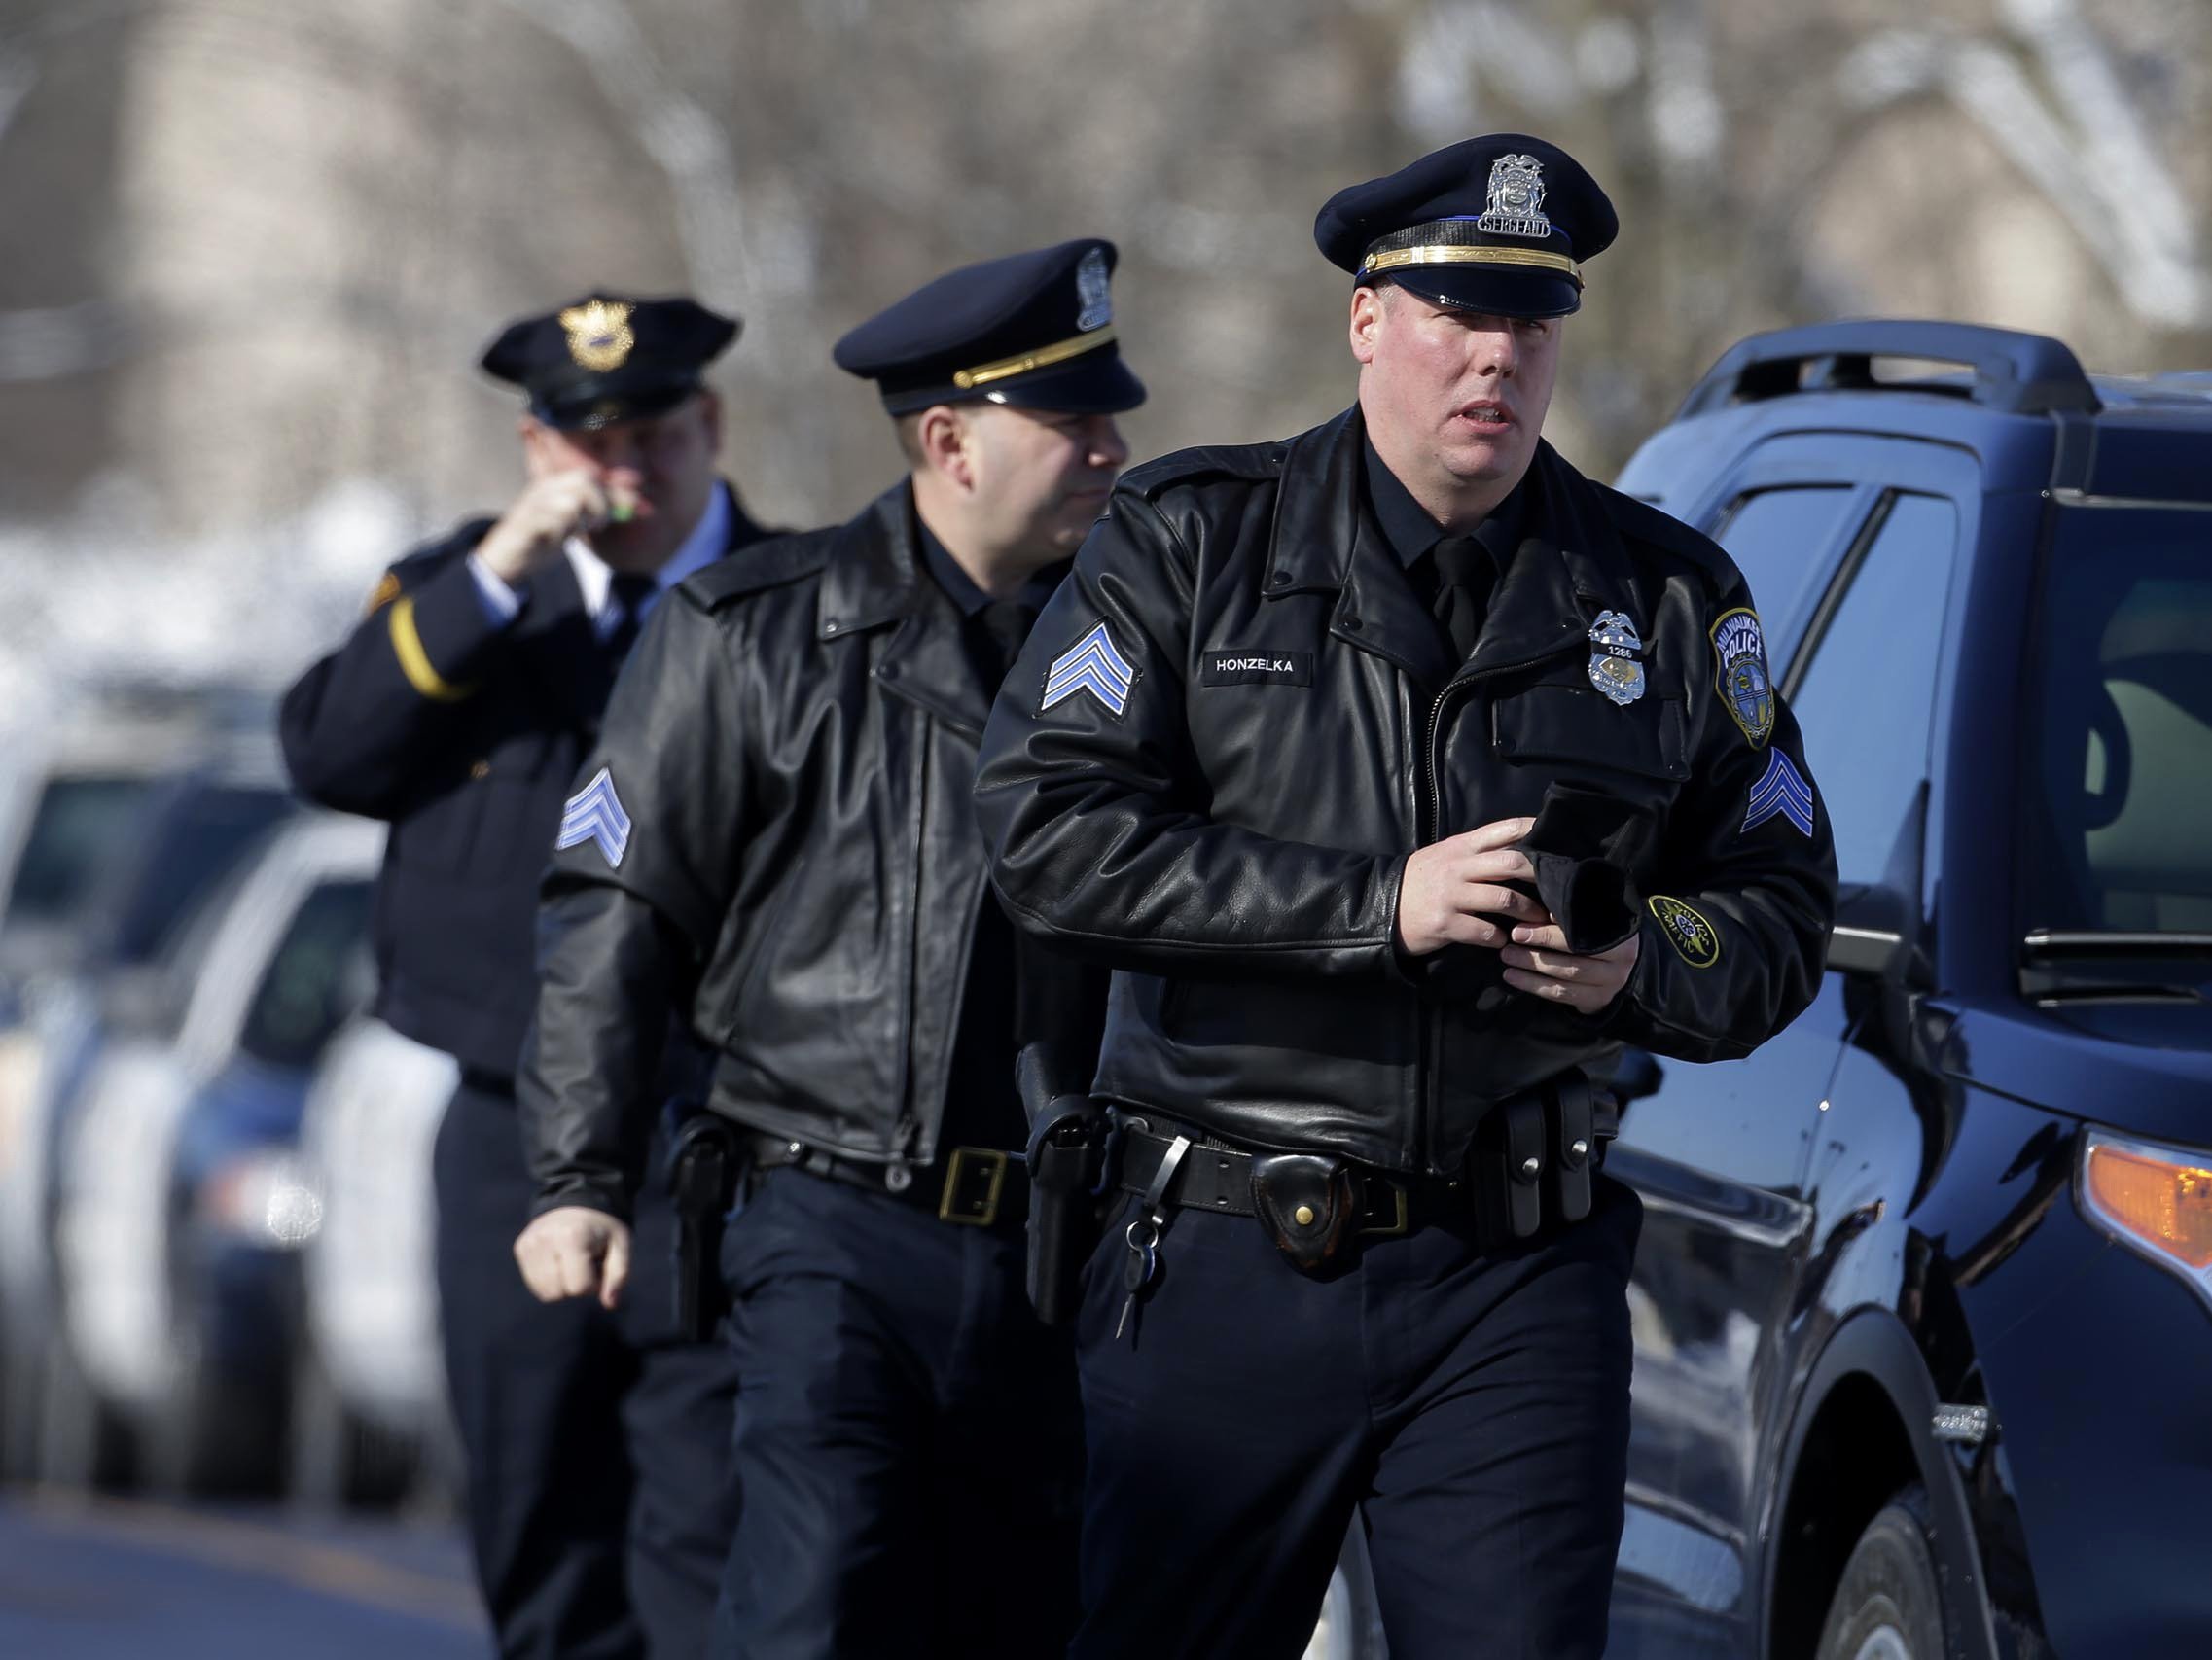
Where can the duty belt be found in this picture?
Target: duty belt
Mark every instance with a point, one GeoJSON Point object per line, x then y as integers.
{"type": "Point", "coordinates": [968, 1186]}
{"type": "Point", "coordinates": [1533, 1161]}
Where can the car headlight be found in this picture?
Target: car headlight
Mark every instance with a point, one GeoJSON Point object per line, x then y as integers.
{"type": "Point", "coordinates": [270, 1198]}
{"type": "Point", "coordinates": [2155, 1200]}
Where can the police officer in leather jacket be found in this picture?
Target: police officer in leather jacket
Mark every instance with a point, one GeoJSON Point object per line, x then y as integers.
{"type": "Point", "coordinates": [457, 710]}
{"type": "Point", "coordinates": [776, 835]}
{"type": "Point", "coordinates": [1400, 773]}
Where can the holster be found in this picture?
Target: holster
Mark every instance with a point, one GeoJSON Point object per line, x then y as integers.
{"type": "Point", "coordinates": [705, 1162]}
{"type": "Point", "coordinates": [1534, 1156]}
{"type": "Point", "coordinates": [1066, 1162]}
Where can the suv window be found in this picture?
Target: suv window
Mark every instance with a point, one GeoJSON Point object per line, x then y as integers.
{"type": "Point", "coordinates": [1868, 699]}
{"type": "Point", "coordinates": [1776, 538]}
{"type": "Point", "coordinates": [2124, 724]}
{"type": "Point", "coordinates": [315, 981]}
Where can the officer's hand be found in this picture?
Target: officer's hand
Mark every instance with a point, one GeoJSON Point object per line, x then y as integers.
{"type": "Point", "coordinates": [575, 1252]}
{"type": "Point", "coordinates": [550, 509]}
{"type": "Point", "coordinates": [1451, 890]}
{"type": "Point", "coordinates": [1539, 963]}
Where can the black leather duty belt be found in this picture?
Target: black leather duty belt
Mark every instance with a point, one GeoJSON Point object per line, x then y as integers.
{"type": "Point", "coordinates": [968, 1186]}
{"type": "Point", "coordinates": [1532, 1164]}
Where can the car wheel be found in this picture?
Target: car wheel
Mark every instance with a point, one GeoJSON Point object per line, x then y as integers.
{"type": "Point", "coordinates": [213, 1434]}
{"type": "Point", "coordinates": [1889, 1605]}
{"type": "Point", "coordinates": [337, 1459]}
{"type": "Point", "coordinates": [80, 1439]}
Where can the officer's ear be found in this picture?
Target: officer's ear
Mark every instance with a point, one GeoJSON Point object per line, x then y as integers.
{"type": "Point", "coordinates": [1369, 303]}
{"type": "Point", "coordinates": [944, 446]}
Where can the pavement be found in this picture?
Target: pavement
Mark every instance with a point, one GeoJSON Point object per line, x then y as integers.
{"type": "Point", "coordinates": [84, 1578]}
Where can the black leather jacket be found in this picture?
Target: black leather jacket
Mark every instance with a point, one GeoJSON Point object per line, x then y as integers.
{"type": "Point", "coordinates": [1232, 841]}
{"type": "Point", "coordinates": [793, 747]}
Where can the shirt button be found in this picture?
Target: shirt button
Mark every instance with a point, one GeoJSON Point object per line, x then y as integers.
{"type": "Point", "coordinates": [481, 769]}
{"type": "Point", "coordinates": [831, 626]}
{"type": "Point", "coordinates": [1351, 625]}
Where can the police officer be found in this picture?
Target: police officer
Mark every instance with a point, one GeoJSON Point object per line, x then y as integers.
{"type": "Point", "coordinates": [1400, 772]}
{"type": "Point", "coordinates": [787, 851]}
{"type": "Point", "coordinates": [599, 1502]}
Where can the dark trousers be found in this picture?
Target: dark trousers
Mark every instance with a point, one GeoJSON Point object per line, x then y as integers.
{"type": "Point", "coordinates": [600, 1503]}
{"type": "Point", "coordinates": [1474, 1409]}
{"type": "Point", "coordinates": [909, 1448]}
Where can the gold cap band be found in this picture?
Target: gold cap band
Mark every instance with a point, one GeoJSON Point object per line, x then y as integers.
{"type": "Point", "coordinates": [1042, 358]}
{"type": "Point", "coordinates": [1453, 254]}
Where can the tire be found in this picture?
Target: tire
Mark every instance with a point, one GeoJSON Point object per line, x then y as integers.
{"type": "Point", "coordinates": [337, 1459]}
{"type": "Point", "coordinates": [78, 1439]}
{"type": "Point", "coordinates": [1889, 1604]}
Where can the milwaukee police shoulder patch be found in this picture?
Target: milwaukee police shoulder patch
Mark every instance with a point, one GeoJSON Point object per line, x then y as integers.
{"type": "Point", "coordinates": [1781, 791]}
{"type": "Point", "coordinates": [1694, 939]}
{"type": "Point", "coordinates": [595, 814]}
{"type": "Point", "coordinates": [1744, 688]}
{"type": "Point", "coordinates": [1093, 665]}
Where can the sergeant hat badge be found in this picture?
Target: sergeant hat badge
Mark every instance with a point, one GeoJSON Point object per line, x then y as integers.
{"type": "Point", "coordinates": [1517, 200]}
{"type": "Point", "coordinates": [1745, 689]}
{"type": "Point", "coordinates": [1616, 658]}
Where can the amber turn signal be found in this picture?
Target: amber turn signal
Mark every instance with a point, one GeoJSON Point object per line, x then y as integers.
{"type": "Point", "coordinates": [2151, 1196]}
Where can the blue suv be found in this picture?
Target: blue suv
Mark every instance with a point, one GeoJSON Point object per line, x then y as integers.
{"type": "Point", "coordinates": [1923, 1308]}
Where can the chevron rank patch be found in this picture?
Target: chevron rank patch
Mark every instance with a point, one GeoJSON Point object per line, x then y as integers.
{"type": "Point", "coordinates": [595, 813]}
{"type": "Point", "coordinates": [1782, 791]}
{"type": "Point", "coordinates": [1094, 664]}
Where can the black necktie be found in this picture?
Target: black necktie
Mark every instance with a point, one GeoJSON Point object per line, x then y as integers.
{"type": "Point", "coordinates": [628, 594]}
{"type": "Point", "coordinates": [1465, 575]}
{"type": "Point", "coordinates": [1006, 623]}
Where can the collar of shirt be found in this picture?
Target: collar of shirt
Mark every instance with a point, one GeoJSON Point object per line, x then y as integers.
{"type": "Point", "coordinates": [697, 551]}
{"type": "Point", "coordinates": [1406, 526]}
{"type": "Point", "coordinates": [960, 587]}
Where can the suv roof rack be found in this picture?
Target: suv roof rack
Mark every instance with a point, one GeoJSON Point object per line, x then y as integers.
{"type": "Point", "coordinates": [2019, 373]}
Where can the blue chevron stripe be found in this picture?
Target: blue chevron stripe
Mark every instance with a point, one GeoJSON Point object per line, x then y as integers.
{"type": "Point", "coordinates": [1782, 791]}
{"type": "Point", "coordinates": [595, 814]}
{"type": "Point", "coordinates": [1095, 664]}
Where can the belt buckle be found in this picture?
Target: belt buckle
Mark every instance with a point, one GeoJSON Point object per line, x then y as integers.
{"type": "Point", "coordinates": [955, 1203]}
{"type": "Point", "coordinates": [1396, 1227]}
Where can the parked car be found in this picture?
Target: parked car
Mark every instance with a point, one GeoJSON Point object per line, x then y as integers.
{"type": "Point", "coordinates": [181, 1201]}
{"type": "Point", "coordinates": [370, 1420]}
{"type": "Point", "coordinates": [132, 822]}
{"type": "Point", "coordinates": [1924, 1304]}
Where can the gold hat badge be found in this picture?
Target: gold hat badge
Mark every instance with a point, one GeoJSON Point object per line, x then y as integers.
{"type": "Point", "coordinates": [599, 336]}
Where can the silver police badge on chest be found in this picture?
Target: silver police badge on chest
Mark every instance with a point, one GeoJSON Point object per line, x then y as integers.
{"type": "Point", "coordinates": [1616, 658]}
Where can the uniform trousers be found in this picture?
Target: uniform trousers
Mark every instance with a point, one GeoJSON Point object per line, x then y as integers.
{"type": "Point", "coordinates": [909, 1449]}
{"type": "Point", "coordinates": [1471, 1410]}
{"type": "Point", "coordinates": [597, 1445]}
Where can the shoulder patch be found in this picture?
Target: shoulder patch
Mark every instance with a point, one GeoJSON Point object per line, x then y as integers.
{"type": "Point", "coordinates": [386, 590]}
{"type": "Point", "coordinates": [595, 814]}
{"type": "Point", "coordinates": [1741, 682]}
{"type": "Point", "coordinates": [759, 566]}
{"type": "Point", "coordinates": [1694, 939]}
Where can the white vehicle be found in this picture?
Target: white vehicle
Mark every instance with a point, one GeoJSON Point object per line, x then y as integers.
{"type": "Point", "coordinates": [369, 1404]}
{"type": "Point", "coordinates": [182, 1202]}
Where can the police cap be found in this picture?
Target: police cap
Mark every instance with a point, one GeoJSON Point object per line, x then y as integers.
{"type": "Point", "coordinates": [1033, 330]}
{"type": "Point", "coordinates": [607, 358]}
{"type": "Point", "coordinates": [1500, 224]}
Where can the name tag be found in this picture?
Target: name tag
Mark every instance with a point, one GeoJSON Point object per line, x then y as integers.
{"type": "Point", "coordinates": [1257, 668]}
